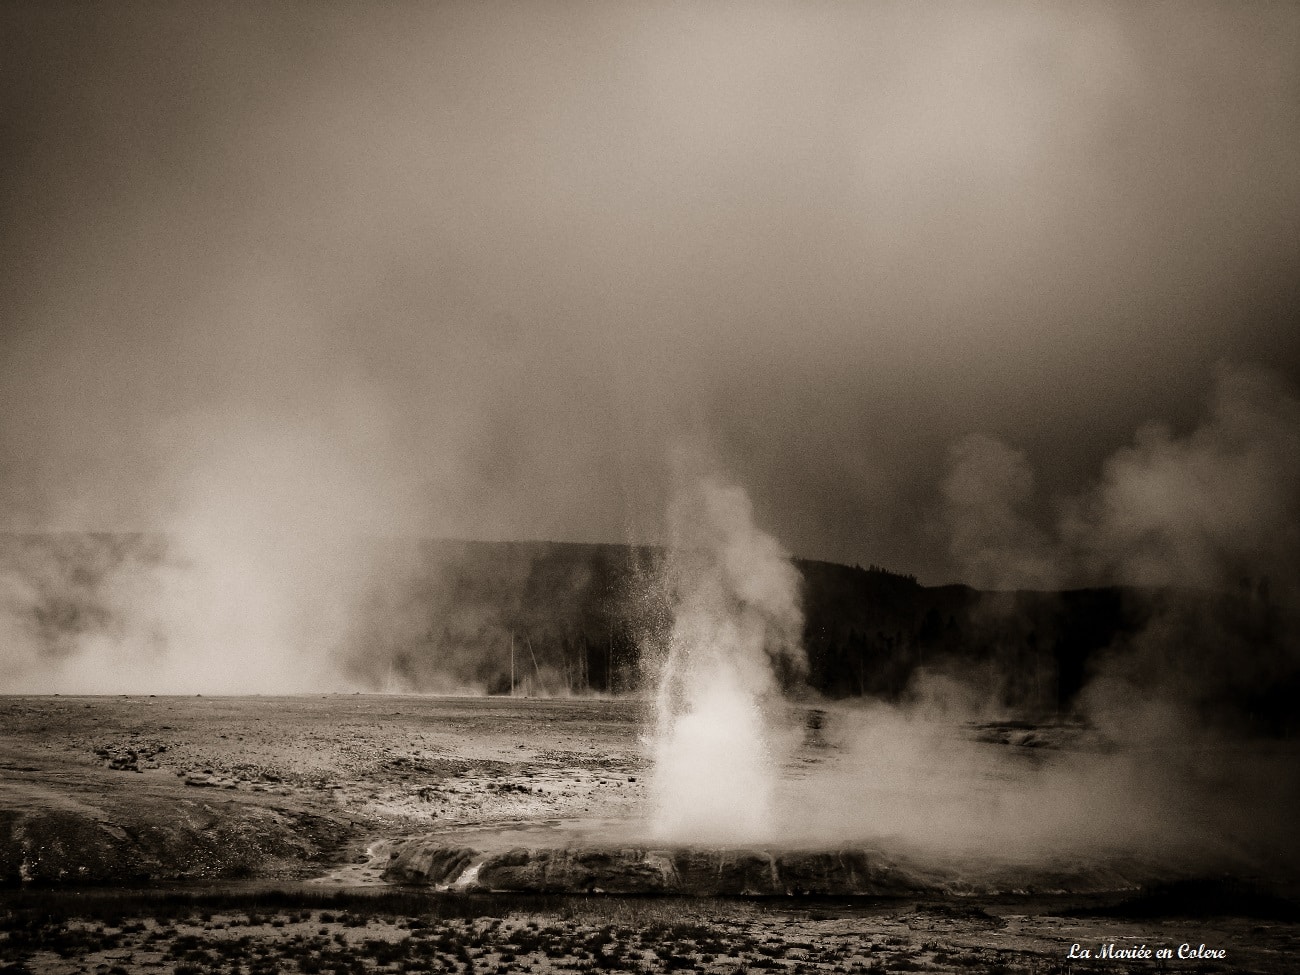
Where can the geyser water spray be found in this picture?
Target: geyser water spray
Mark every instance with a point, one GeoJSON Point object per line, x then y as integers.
{"type": "Point", "coordinates": [736, 611]}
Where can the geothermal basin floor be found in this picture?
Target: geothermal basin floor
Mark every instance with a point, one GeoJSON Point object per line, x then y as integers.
{"type": "Point", "coordinates": [151, 834]}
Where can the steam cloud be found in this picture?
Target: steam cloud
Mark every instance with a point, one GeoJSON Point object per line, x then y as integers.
{"type": "Point", "coordinates": [1204, 524]}
{"type": "Point", "coordinates": [1143, 786]}
{"type": "Point", "coordinates": [1205, 509]}
{"type": "Point", "coordinates": [736, 624]}
{"type": "Point", "coordinates": [253, 586]}
{"type": "Point", "coordinates": [1164, 799]}
{"type": "Point", "coordinates": [509, 255]}
{"type": "Point", "coordinates": [314, 279]}
{"type": "Point", "coordinates": [1213, 515]}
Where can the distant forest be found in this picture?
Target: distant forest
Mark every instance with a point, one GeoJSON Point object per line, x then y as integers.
{"type": "Point", "coordinates": [559, 618]}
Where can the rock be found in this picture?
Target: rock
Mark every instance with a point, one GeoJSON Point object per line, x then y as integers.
{"type": "Point", "coordinates": [146, 841]}
{"type": "Point", "coordinates": [634, 870]}
{"type": "Point", "coordinates": [612, 871]}
{"type": "Point", "coordinates": [842, 872]}
{"type": "Point", "coordinates": [720, 872]}
{"type": "Point", "coordinates": [423, 862]}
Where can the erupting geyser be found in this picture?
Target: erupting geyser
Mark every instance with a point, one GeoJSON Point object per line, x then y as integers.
{"type": "Point", "coordinates": [736, 613]}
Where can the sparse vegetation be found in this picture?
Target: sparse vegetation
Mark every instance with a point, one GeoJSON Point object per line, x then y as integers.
{"type": "Point", "coordinates": [106, 932]}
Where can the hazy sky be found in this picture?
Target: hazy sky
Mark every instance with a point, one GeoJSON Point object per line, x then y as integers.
{"type": "Point", "coordinates": [479, 269]}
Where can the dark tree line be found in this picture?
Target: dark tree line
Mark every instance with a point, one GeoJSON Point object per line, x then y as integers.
{"type": "Point", "coordinates": [554, 618]}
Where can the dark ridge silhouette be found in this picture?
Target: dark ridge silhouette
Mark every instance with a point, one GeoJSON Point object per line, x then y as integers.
{"type": "Point", "coordinates": [591, 618]}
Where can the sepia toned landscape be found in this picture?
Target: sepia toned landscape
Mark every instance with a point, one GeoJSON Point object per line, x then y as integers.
{"type": "Point", "coordinates": [404, 833]}
{"type": "Point", "coordinates": [723, 487]}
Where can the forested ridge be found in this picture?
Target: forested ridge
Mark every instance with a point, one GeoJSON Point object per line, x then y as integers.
{"type": "Point", "coordinates": [566, 618]}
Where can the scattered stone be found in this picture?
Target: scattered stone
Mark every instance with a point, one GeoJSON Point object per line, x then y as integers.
{"type": "Point", "coordinates": [127, 758]}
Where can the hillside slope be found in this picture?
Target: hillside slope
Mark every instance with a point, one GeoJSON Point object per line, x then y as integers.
{"type": "Point", "coordinates": [441, 615]}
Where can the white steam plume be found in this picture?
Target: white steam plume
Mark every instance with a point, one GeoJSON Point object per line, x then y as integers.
{"type": "Point", "coordinates": [737, 613]}
{"type": "Point", "coordinates": [253, 587]}
{"type": "Point", "coordinates": [1202, 510]}
{"type": "Point", "coordinates": [996, 546]}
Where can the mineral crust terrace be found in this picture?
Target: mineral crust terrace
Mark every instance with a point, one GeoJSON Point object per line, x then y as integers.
{"type": "Point", "coordinates": [701, 872]}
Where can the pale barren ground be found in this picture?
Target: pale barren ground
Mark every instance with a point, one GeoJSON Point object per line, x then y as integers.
{"type": "Point", "coordinates": [287, 784]}
{"type": "Point", "coordinates": [234, 834]}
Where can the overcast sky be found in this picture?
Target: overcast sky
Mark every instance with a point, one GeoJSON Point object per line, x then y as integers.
{"type": "Point", "coordinates": [481, 270]}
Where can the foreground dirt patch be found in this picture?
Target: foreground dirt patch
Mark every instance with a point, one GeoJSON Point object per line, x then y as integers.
{"type": "Point", "coordinates": [502, 935]}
